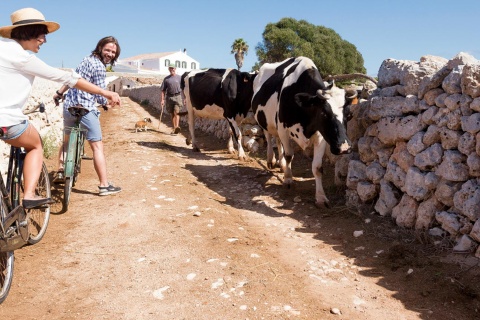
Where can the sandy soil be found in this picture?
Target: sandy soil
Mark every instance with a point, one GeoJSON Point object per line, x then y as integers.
{"type": "Point", "coordinates": [204, 236]}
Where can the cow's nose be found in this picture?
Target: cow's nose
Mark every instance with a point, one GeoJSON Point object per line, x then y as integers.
{"type": "Point", "coordinates": [345, 148]}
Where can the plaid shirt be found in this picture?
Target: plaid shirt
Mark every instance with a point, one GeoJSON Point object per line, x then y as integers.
{"type": "Point", "coordinates": [92, 70]}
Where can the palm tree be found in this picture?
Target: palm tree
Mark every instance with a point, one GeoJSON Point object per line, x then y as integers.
{"type": "Point", "coordinates": [240, 48]}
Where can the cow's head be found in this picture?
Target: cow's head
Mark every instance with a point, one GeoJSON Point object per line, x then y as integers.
{"type": "Point", "coordinates": [326, 112]}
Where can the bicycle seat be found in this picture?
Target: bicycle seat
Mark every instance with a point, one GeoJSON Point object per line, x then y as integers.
{"type": "Point", "coordinates": [78, 111]}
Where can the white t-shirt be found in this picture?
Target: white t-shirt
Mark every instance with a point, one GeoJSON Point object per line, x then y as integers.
{"type": "Point", "coordinates": [18, 69]}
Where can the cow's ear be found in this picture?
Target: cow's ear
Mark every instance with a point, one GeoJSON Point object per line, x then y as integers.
{"type": "Point", "coordinates": [347, 113]}
{"type": "Point", "coordinates": [303, 99]}
{"type": "Point", "coordinates": [330, 84]}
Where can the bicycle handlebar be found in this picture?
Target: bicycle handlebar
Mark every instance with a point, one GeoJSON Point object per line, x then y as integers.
{"type": "Point", "coordinates": [40, 107]}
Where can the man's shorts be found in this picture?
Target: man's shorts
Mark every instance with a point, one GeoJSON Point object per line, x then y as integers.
{"type": "Point", "coordinates": [15, 131]}
{"type": "Point", "coordinates": [174, 103]}
{"type": "Point", "coordinates": [90, 121]}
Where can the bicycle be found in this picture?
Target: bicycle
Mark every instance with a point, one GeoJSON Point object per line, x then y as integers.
{"type": "Point", "coordinates": [19, 226]}
{"type": "Point", "coordinates": [74, 153]}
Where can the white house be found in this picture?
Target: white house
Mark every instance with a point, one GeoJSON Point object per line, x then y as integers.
{"type": "Point", "coordinates": [158, 62]}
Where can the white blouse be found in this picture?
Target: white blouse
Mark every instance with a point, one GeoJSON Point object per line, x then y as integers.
{"type": "Point", "coordinates": [18, 69]}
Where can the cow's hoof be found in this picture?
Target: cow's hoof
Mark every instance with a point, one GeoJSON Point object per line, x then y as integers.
{"type": "Point", "coordinates": [270, 166]}
{"type": "Point", "coordinates": [196, 149]}
{"type": "Point", "coordinates": [322, 205]}
{"type": "Point", "coordinates": [188, 141]}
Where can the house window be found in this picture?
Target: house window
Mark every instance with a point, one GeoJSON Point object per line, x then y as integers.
{"type": "Point", "coordinates": [167, 62]}
{"type": "Point", "coordinates": [194, 65]}
{"type": "Point", "coordinates": [184, 64]}
{"type": "Point", "coordinates": [177, 64]}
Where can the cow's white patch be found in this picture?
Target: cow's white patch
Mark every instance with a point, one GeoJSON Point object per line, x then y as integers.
{"type": "Point", "coordinates": [337, 101]}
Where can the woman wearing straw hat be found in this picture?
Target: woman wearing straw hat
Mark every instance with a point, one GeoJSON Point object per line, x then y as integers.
{"type": "Point", "coordinates": [18, 69]}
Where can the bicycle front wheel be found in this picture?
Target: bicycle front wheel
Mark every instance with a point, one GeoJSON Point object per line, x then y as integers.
{"type": "Point", "coordinates": [38, 218]}
{"type": "Point", "coordinates": [6, 261]}
{"type": "Point", "coordinates": [67, 190]}
{"type": "Point", "coordinates": [6, 274]}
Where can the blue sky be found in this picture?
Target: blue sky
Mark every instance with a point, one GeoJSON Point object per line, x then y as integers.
{"type": "Point", "coordinates": [380, 29]}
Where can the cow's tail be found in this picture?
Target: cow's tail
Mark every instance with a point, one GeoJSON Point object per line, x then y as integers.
{"type": "Point", "coordinates": [182, 80]}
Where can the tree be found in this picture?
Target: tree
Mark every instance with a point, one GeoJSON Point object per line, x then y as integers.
{"type": "Point", "coordinates": [240, 48]}
{"type": "Point", "coordinates": [291, 38]}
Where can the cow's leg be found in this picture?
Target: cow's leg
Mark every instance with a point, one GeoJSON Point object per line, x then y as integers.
{"type": "Point", "coordinates": [286, 158]}
{"type": "Point", "coordinates": [235, 132]}
{"type": "Point", "coordinates": [230, 147]}
{"type": "Point", "coordinates": [321, 200]}
{"type": "Point", "coordinates": [270, 153]}
{"type": "Point", "coordinates": [191, 127]}
{"type": "Point", "coordinates": [281, 163]}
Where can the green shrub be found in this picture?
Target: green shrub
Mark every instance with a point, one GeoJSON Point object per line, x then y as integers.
{"type": "Point", "coordinates": [50, 144]}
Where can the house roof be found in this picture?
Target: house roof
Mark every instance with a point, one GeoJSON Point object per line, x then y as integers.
{"type": "Point", "coordinates": [147, 56]}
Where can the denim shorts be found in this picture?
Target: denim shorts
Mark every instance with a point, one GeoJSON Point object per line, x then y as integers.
{"type": "Point", "coordinates": [13, 132]}
{"type": "Point", "coordinates": [90, 122]}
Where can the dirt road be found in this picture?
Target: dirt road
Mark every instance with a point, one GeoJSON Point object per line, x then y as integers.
{"type": "Point", "coordinates": [202, 236]}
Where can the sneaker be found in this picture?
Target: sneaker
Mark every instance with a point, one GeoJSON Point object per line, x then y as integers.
{"type": "Point", "coordinates": [105, 191]}
{"type": "Point", "coordinates": [59, 177]}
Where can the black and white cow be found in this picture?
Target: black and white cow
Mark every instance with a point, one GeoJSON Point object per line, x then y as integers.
{"type": "Point", "coordinates": [218, 94]}
{"type": "Point", "coordinates": [291, 101]}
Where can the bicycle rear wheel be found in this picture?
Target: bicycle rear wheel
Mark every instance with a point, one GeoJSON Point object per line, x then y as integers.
{"type": "Point", "coordinates": [38, 218]}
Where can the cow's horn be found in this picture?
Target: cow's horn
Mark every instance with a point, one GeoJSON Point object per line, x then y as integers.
{"type": "Point", "coordinates": [321, 95]}
{"type": "Point", "coordinates": [352, 94]}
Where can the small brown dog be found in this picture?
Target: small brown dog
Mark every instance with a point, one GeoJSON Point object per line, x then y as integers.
{"type": "Point", "coordinates": [142, 124]}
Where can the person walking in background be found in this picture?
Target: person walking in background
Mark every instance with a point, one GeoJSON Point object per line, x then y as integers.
{"type": "Point", "coordinates": [172, 97]}
{"type": "Point", "coordinates": [92, 68]}
{"type": "Point", "coordinates": [18, 69]}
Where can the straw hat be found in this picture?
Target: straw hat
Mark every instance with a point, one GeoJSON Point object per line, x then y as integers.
{"type": "Point", "coordinates": [27, 16]}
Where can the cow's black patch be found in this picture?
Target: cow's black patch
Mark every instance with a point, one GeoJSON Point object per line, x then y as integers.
{"type": "Point", "coordinates": [261, 119]}
{"type": "Point", "coordinates": [231, 90]}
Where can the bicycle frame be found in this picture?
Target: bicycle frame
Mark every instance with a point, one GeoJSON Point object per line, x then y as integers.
{"type": "Point", "coordinates": [15, 170]}
{"type": "Point", "coordinates": [14, 226]}
{"type": "Point", "coordinates": [74, 151]}
{"type": "Point", "coordinates": [73, 155]}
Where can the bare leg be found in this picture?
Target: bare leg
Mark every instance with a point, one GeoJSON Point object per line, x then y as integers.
{"type": "Point", "coordinates": [175, 120]}
{"type": "Point", "coordinates": [99, 162]}
{"type": "Point", "coordinates": [31, 142]}
{"type": "Point", "coordinates": [61, 152]}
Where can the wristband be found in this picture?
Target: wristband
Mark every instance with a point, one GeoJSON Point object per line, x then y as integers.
{"type": "Point", "coordinates": [58, 93]}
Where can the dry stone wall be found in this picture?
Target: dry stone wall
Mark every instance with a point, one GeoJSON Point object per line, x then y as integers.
{"type": "Point", "coordinates": [417, 142]}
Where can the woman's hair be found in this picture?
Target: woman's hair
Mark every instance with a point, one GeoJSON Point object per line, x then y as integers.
{"type": "Point", "coordinates": [28, 32]}
{"type": "Point", "coordinates": [102, 43]}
